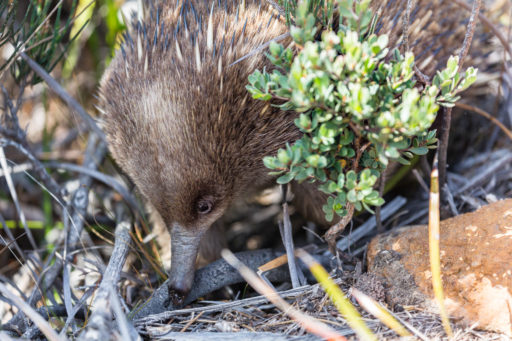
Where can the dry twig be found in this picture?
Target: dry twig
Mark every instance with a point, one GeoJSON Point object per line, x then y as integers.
{"type": "Point", "coordinates": [446, 113]}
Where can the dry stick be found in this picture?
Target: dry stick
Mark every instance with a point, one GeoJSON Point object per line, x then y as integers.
{"type": "Point", "coordinates": [490, 26]}
{"type": "Point", "coordinates": [66, 288]}
{"type": "Point", "coordinates": [38, 320]}
{"type": "Point", "coordinates": [100, 323]}
{"type": "Point", "coordinates": [192, 320]}
{"type": "Point", "coordinates": [309, 323]}
{"type": "Point", "coordinates": [288, 241]}
{"type": "Point", "coordinates": [16, 137]}
{"type": "Point", "coordinates": [447, 112]}
{"type": "Point", "coordinates": [336, 229]}
{"type": "Point", "coordinates": [487, 116]}
{"type": "Point", "coordinates": [70, 101]}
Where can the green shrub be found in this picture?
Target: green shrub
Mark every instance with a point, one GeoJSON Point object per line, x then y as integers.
{"type": "Point", "coordinates": [358, 109]}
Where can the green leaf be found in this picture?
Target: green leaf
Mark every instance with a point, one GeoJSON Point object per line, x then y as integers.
{"type": "Point", "coordinates": [351, 178]}
{"type": "Point", "coordinates": [341, 180]}
{"type": "Point", "coordinates": [419, 150]}
{"type": "Point", "coordinates": [352, 196]}
{"type": "Point", "coordinates": [269, 162]}
{"type": "Point", "coordinates": [284, 179]}
{"type": "Point", "coordinates": [284, 156]}
{"type": "Point", "coordinates": [317, 161]}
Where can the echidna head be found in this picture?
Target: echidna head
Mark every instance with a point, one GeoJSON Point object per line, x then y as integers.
{"type": "Point", "coordinates": [180, 122]}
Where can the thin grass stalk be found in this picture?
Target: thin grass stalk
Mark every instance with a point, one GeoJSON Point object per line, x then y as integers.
{"type": "Point", "coordinates": [342, 303]}
{"type": "Point", "coordinates": [377, 310]}
{"type": "Point", "coordinates": [433, 242]}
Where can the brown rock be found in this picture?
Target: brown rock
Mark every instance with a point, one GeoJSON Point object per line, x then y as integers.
{"type": "Point", "coordinates": [476, 263]}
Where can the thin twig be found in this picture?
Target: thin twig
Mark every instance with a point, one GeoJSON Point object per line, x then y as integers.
{"type": "Point", "coordinates": [487, 116]}
{"type": "Point", "coordinates": [105, 179]}
{"type": "Point", "coordinates": [192, 320]}
{"type": "Point", "coordinates": [488, 171]}
{"type": "Point", "coordinates": [506, 45]}
{"type": "Point", "coordinates": [368, 226]}
{"type": "Point", "coordinates": [470, 31]}
{"type": "Point", "coordinates": [260, 48]}
{"type": "Point", "coordinates": [447, 112]}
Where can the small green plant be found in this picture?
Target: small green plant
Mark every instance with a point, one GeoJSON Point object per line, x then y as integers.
{"type": "Point", "coordinates": [358, 107]}
{"type": "Point", "coordinates": [42, 33]}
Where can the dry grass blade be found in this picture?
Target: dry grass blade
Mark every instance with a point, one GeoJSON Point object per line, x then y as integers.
{"type": "Point", "coordinates": [339, 299]}
{"type": "Point", "coordinates": [38, 320]}
{"type": "Point", "coordinates": [433, 242]}
{"type": "Point", "coordinates": [275, 263]}
{"type": "Point", "coordinates": [377, 310]}
{"type": "Point", "coordinates": [309, 323]}
{"type": "Point", "coordinates": [189, 323]}
{"type": "Point", "coordinates": [12, 190]}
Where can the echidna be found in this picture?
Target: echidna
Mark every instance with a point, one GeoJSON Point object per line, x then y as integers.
{"type": "Point", "coordinates": [181, 124]}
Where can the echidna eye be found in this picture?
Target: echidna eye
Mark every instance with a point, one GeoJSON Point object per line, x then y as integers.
{"type": "Point", "coordinates": [204, 206]}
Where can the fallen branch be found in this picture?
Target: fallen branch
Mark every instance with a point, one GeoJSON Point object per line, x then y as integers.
{"type": "Point", "coordinates": [210, 278]}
